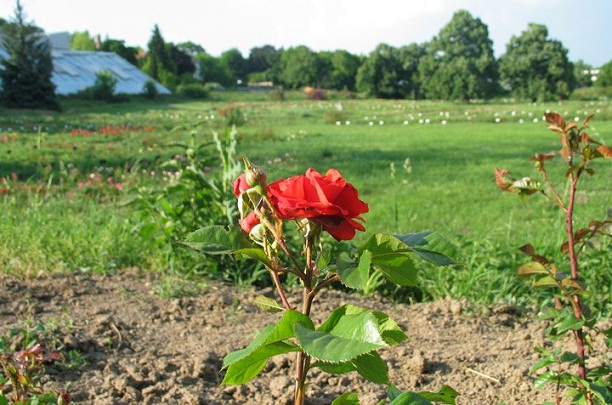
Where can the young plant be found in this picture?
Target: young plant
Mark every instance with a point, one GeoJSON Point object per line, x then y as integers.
{"type": "Point", "coordinates": [349, 338]}
{"type": "Point", "coordinates": [22, 370]}
{"type": "Point", "coordinates": [569, 314]}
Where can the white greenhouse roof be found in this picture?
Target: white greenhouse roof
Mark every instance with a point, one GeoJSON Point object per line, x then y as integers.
{"type": "Point", "coordinates": [74, 71]}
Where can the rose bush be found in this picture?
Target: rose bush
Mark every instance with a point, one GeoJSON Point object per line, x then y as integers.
{"type": "Point", "coordinates": [350, 337]}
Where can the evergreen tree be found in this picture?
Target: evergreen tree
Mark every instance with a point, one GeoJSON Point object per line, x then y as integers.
{"type": "Point", "coordinates": [535, 67]}
{"type": "Point", "coordinates": [460, 64]}
{"type": "Point", "coordinates": [26, 73]}
{"type": "Point", "coordinates": [158, 63]}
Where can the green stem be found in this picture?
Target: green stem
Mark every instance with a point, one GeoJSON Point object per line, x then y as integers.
{"type": "Point", "coordinates": [303, 359]}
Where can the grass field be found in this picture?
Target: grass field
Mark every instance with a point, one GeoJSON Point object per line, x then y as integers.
{"type": "Point", "coordinates": [419, 165]}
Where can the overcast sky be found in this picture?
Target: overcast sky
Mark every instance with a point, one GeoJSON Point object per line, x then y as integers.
{"type": "Point", "coordinates": [583, 26]}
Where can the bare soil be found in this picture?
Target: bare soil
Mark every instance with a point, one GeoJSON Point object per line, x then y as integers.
{"type": "Point", "coordinates": [143, 349]}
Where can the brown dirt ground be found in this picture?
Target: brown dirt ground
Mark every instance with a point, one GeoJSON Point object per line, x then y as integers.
{"type": "Point", "coordinates": [143, 349]}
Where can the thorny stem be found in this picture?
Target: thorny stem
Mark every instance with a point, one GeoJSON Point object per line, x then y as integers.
{"type": "Point", "coordinates": [569, 212]}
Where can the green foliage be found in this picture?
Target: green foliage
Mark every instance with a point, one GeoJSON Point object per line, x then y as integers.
{"type": "Point", "coordinates": [103, 88]}
{"type": "Point", "coordinates": [235, 64]}
{"type": "Point", "coordinates": [193, 90]}
{"type": "Point", "coordinates": [299, 67]}
{"type": "Point", "coordinates": [380, 74]}
{"type": "Point", "coordinates": [212, 70]}
{"type": "Point", "coordinates": [604, 79]}
{"type": "Point", "coordinates": [459, 63]}
{"type": "Point", "coordinates": [536, 67]}
{"type": "Point", "coordinates": [82, 41]}
{"type": "Point", "coordinates": [149, 90]}
{"type": "Point", "coordinates": [348, 339]}
{"type": "Point", "coordinates": [118, 46]}
{"type": "Point", "coordinates": [26, 73]}
{"type": "Point", "coordinates": [578, 150]}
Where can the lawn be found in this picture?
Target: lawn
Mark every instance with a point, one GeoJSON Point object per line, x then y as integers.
{"type": "Point", "coordinates": [419, 166]}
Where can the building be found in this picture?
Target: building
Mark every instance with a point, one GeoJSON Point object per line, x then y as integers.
{"type": "Point", "coordinates": [74, 71]}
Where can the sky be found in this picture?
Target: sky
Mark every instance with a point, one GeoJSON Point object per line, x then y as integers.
{"type": "Point", "coordinates": [358, 26]}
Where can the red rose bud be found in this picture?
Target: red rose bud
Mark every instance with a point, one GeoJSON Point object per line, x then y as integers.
{"type": "Point", "coordinates": [248, 223]}
{"type": "Point", "coordinates": [240, 185]}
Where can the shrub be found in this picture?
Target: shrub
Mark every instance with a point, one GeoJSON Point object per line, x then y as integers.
{"type": "Point", "coordinates": [150, 90]}
{"type": "Point", "coordinates": [192, 90]}
{"type": "Point", "coordinates": [104, 86]}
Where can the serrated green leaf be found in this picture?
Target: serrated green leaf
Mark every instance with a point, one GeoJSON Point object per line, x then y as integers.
{"type": "Point", "coordinates": [349, 398]}
{"type": "Point", "coordinates": [334, 368]}
{"type": "Point", "coordinates": [444, 394]}
{"type": "Point", "coordinates": [546, 281]}
{"type": "Point", "coordinates": [410, 398]}
{"type": "Point", "coordinates": [389, 329]}
{"type": "Point", "coordinates": [392, 257]}
{"type": "Point", "coordinates": [259, 340]}
{"type": "Point", "coordinates": [432, 247]}
{"type": "Point", "coordinates": [250, 366]}
{"type": "Point", "coordinates": [530, 269]}
{"type": "Point", "coordinates": [372, 367]}
{"type": "Point", "coordinates": [270, 334]}
{"type": "Point", "coordinates": [546, 378]}
{"type": "Point", "coordinates": [254, 253]}
{"type": "Point", "coordinates": [548, 313]}
{"type": "Point", "coordinates": [351, 336]}
{"type": "Point", "coordinates": [569, 357]}
{"type": "Point", "coordinates": [352, 274]}
{"type": "Point", "coordinates": [216, 240]}
{"type": "Point", "coordinates": [268, 304]}
{"type": "Point", "coordinates": [544, 362]}
{"type": "Point", "coordinates": [570, 322]}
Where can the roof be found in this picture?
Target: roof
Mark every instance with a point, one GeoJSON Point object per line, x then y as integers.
{"type": "Point", "coordinates": [74, 71]}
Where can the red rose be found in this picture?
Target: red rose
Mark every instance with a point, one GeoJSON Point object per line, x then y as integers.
{"type": "Point", "coordinates": [248, 222]}
{"type": "Point", "coordinates": [328, 200]}
{"type": "Point", "coordinates": [240, 185]}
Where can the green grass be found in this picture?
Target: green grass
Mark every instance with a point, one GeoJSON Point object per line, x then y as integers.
{"type": "Point", "coordinates": [449, 186]}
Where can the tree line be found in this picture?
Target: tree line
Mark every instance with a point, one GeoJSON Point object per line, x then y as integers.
{"type": "Point", "coordinates": [456, 64]}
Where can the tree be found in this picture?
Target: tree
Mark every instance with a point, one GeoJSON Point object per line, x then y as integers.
{"type": "Point", "coordinates": [235, 64]}
{"type": "Point", "coordinates": [459, 63]}
{"type": "Point", "coordinates": [82, 41]}
{"type": "Point", "coordinates": [158, 62]}
{"type": "Point", "coordinates": [582, 73]}
{"type": "Point", "coordinates": [299, 66]}
{"type": "Point", "coordinates": [118, 46]}
{"type": "Point", "coordinates": [183, 62]}
{"type": "Point", "coordinates": [535, 67]}
{"type": "Point", "coordinates": [26, 73]}
{"type": "Point", "coordinates": [191, 48]}
{"type": "Point", "coordinates": [343, 72]}
{"type": "Point", "coordinates": [380, 73]}
{"type": "Point", "coordinates": [262, 58]}
{"type": "Point", "coordinates": [604, 79]}
{"type": "Point", "coordinates": [410, 58]}
{"type": "Point", "coordinates": [212, 70]}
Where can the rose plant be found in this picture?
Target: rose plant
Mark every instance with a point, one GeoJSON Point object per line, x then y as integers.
{"type": "Point", "coordinates": [569, 314]}
{"type": "Point", "coordinates": [349, 338]}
